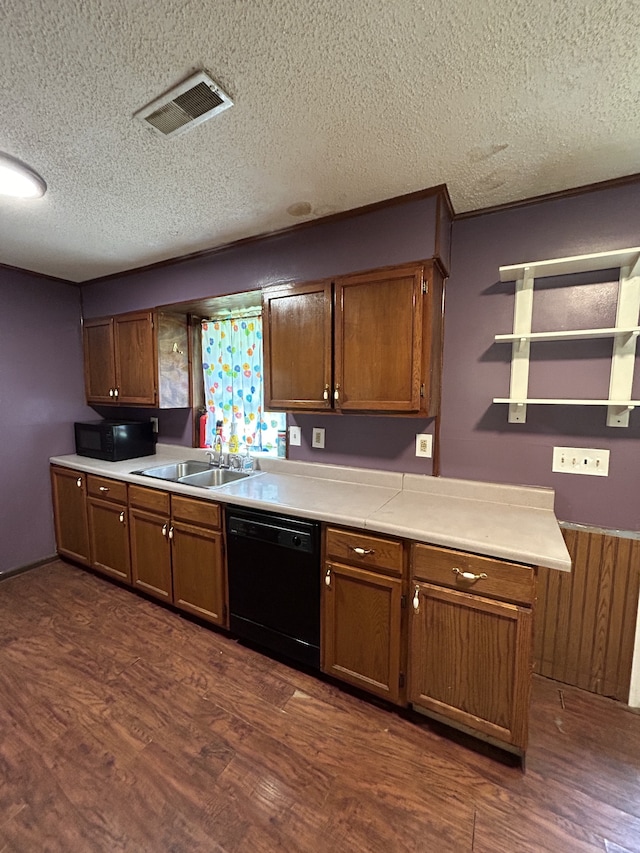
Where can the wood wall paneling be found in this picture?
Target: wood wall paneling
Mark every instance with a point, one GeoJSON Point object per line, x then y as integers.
{"type": "Point", "coordinates": [585, 620]}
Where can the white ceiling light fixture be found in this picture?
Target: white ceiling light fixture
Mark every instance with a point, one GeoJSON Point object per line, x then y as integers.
{"type": "Point", "coordinates": [195, 100]}
{"type": "Point", "coordinates": [19, 180]}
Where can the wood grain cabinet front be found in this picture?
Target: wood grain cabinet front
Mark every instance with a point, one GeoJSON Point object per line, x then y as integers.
{"type": "Point", "coordinates": [176, 551]}
{"type": "Point", "coordinates": [137, 359]}
{"type": "Point", "coordinates": [69, 494]}
{"type": "Point", "coordinates": [109, 527]}
{"type": "Point", "coordinates": [362, 612]}
{"type": "Point", "coordinates": [470, 654]}
{"type": "Point", "coordinates": [367, 342]}
{"type": "Point", "coordinates": [149, 520]}
{"type": "Point", "coordinates": [199, 577]}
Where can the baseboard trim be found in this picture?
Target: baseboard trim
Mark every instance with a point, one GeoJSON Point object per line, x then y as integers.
{"type": "Point", "coordinates": [10, 573]}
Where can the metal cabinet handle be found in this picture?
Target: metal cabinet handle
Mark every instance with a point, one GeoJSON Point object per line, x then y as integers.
{"type": "Point", "coordinates": [327, 578]}
{"type": "Point", "coordinates": [116, 392]}
{"type": "Point", "coordinates": [164, 529]}
{"type": "Point", "coordinates": [122, 517]}
{"type": "Point", "coordinates": [104, 489]}
{"type": "Point", "coordinates": [171, 532]}
{"type": "Point", "coordinates": [469, 576]}
{"type": "Point", "coordinates": [111, 392]}
{"type": "Point", "coordinates": [336, 393]}
{"type": "Point", "coordinates": [79, 482]}
{"type": "Point", "coordinates": [416, 600]}
{"type": "Point", "coordinates": [326, 392]}
{"type": "Point", "coordinates": [362, 552]}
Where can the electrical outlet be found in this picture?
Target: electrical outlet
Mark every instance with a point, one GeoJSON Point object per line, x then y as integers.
{"type": "Point", "coordinates": [581, 460]}
{"type": "Point", "coordinates": [154, 421]}
{"type": "Point", "coordinates": [318, 437]}
{"type": "Point", "coordinates": [295, 436]}
{"type": "Point", "coordinates": [424, 442]}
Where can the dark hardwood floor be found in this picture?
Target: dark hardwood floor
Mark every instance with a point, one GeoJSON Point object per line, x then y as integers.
{"type": "Point", "coordinates": [125, 727]}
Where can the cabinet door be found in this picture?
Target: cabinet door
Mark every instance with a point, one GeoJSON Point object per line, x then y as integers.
{"type": "Point", "coordinates": [109, 536]}
{"type": "Point", "coordinates": [297, 346]}
{"type": "Point", "coordinates": [150, 553]}
{"type": "Point", "coordinates": [135, 358]}
{"type": "Point", "coordinates": [378, 340]}
{"type": "Point", "coordinates": [469, 661]}
{"type": "Point", "coordinates": [70, 513]}
{"type": "Point", "coordinates": [361, 629]}
{"type": "Point", "coordinates": [99, 361]}
{"type": "Point", "coordinates": [198, 572]}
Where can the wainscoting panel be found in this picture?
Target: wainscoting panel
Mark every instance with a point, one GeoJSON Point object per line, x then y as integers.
{"type": "Point", "coordinates": [585, 621]}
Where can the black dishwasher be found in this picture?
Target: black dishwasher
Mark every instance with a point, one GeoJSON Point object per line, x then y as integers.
{"type": "Point", "coordinates": [274, 582]}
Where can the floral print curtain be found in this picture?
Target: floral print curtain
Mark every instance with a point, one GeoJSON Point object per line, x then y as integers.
{"type": "Point", "coordinates": [232, 370]}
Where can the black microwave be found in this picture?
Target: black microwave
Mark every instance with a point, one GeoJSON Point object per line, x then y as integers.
{"type": "Point", "coordinates": [115, 440]}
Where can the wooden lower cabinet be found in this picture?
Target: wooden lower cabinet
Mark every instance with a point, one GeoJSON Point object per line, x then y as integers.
{"type": "Point", "coordinates": [199, 578]}
{"type": "Point", "coordinates": [109, 527]}
{"type": "Point", "coordinates": [69, 489]}
{"type": "Point", "coordinates": [149, 518]}
{"type": "Point", "coordinates": [469, 654]}
{"type": "Point", "coordinates": [176, 551]}
{"type": "Point", "coordinates": [362, 612]}
{"type": "Point", "coordinates": [361, 633]}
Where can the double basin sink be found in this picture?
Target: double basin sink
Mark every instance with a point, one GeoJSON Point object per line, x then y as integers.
{"type": "Point", "coordinates": [195, 473]}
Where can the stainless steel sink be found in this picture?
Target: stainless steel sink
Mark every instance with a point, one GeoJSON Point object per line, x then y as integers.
{"type": "Point", "coordinates": [175, 471]}
{"type": "Point", "coordinates": [214, 477]}
{"type": "Point", "coordinates": [194, 473]}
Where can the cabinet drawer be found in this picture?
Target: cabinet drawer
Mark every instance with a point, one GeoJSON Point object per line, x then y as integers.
{"type": "Point", "coordinates": [348, 545]}
{"type": "Point", "coordinates": [195, 511]}
{"type": "Point", "coordinates": [506, 581]}
{"type": "Point", "coordinates": [109, 490]}
{"type": "Point", "coordinates": [154, 500]}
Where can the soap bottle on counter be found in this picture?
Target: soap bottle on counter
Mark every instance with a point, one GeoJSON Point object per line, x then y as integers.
{"type": "Point", "coordinates": [247, 460]}
{"type": "Point", "coordinates": [234, 442]}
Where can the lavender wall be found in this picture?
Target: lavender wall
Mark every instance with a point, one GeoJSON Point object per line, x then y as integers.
{"type": "Point", "coordinates": [403, 232]}
{"type": "Point", "coordinates": [42, 393]}
{"type": "Point", "coordinates": [477, 440]}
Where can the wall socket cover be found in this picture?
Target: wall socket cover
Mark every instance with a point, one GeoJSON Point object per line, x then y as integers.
{"type": "Point", "coordinates": [317, 437]}
{"type": "Point", "coordinates": [581, 460]}
{"type": "Point", "coordinates": [295, 436]}
{"type": "Point", "coordinates": [424, 443]}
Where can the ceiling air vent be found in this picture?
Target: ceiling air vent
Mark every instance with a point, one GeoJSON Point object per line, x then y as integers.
{"type": "Point", "coordinates": [195, 100]}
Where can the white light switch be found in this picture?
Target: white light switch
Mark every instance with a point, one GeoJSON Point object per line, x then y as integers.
{"type": "Point", "coordinates": [318, 437]}
{"type": "Point", "coordinates": [295, 436]}
{"type": "Point", "coordinates": [581, 460]}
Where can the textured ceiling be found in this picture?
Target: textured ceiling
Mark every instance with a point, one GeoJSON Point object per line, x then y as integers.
{"type": "Point", "coordinates": [338, 104]}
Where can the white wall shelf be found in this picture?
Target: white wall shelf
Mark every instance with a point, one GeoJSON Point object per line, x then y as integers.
{"type": "Point", "coordinates": [624, 334]}
{"type": "Point", "coordinates": [571, 335]}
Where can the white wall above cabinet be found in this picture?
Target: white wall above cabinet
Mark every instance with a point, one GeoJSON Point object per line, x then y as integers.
{"type": "Point", "coordinates": [624, 334]}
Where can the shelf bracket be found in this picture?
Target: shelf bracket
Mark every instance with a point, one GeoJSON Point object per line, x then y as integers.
{"type": "Point", "coordinates": [520, 349]}
{"type": "Point", "coordinates": [624, 346]}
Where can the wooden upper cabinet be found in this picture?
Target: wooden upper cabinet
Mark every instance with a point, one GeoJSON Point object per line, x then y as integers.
{"type": "Point", "coordinates": [297, 331]}
{"type": "Point", "coordinates": [378, 341]}
{"type": "Point", "coordinates": [137, 359]}
{"type": "Point", "coordinates": [135, 356]}
{"type": "Point", "coordinates": [388, 340]}
{"type": "Point", "coordinates": [373, 345]}
{"type": "Point", "coordinates": [99, 361]}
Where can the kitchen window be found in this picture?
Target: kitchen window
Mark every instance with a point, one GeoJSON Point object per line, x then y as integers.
{"type": "Point", "coordinates": [232, 363]}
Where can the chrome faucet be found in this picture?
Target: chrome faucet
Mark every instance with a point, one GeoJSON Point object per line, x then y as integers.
{"type": "Point", "coordinates": [216, 450]}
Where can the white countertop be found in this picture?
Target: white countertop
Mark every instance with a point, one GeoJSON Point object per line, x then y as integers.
{"type": "Point", "coordinates": [509, 522]}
